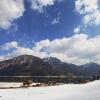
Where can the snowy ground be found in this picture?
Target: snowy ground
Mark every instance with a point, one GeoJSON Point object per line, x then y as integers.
{"type": "Point", "coordinates": [7, 85]}
{"type": "Point", "coordinates": [89, 91]}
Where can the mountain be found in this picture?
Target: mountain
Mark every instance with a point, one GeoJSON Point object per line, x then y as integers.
{"type": "Point", "coordinates": [90, 68]}
{"type": "Point", "coordinates": [65, 68]}
{"type": "Point", "coordinates": [27, 65]}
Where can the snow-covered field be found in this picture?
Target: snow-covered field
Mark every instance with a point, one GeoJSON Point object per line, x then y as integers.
{"type": "Point", "coordinates": [89, 91]}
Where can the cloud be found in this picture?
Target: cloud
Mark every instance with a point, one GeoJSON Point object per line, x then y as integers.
{"type": "Point", "coordinates": [9, 45]}
{"type": "Point", "coordinates": [90, 11]}
{"type": "Point", "coordinates": [10, 10]}
{"type": "Point", "coordinates": [40, 4]}
{"type": "Point", "coordinates": [92, 19]}
{"type": "Point", "coordinates": [86, 6]}
{"type": "Point", "coordinates": [55, 21]}
{"type": "Point", "coordinates": [77, 30]}
{"type": "Point", "coordinates": [78, 49]}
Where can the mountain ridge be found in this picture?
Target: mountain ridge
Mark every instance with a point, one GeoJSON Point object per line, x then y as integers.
{"type": "Point", "coordinates": [32, 65]}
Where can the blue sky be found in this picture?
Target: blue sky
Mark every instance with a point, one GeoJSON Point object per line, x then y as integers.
{"type": "Point", "coordinates": [26, 23]}
{"type": "Point", "coordinates": [35, 25]}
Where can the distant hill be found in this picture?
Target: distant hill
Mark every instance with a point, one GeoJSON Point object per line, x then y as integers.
{"type": "Point", "coordinates": [90, 68]}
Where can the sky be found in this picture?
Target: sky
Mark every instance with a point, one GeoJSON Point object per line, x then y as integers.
{"type": "Point", "coordinates": [65, 29]}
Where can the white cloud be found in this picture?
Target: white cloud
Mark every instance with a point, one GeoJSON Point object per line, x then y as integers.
{"type": "Point", "coordinates": [78, 49]}
{"type": "Point", "coordinates": [9, 11]}
{"type": "Point", "coordinates": [40, 4]}
{"type": "Point", "coordinates": [86, 6]}
{"type": "Point", "coordinates": [90, 11]}
{"type": "Point", "coordinates": [9, 45]}
{"type": "Point", "coordinates": [92, 19]}
{"type": "Point", "coordinates": [77, 30]}
{"type": "Point", "coordinates": [56, 20]}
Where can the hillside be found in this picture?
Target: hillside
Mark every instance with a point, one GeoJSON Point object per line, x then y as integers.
{"type": "Point", "coordinates": [27, 65]}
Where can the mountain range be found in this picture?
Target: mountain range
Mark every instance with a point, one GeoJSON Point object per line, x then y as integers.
{"type": "Point", "coordinates": [28, 65]}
